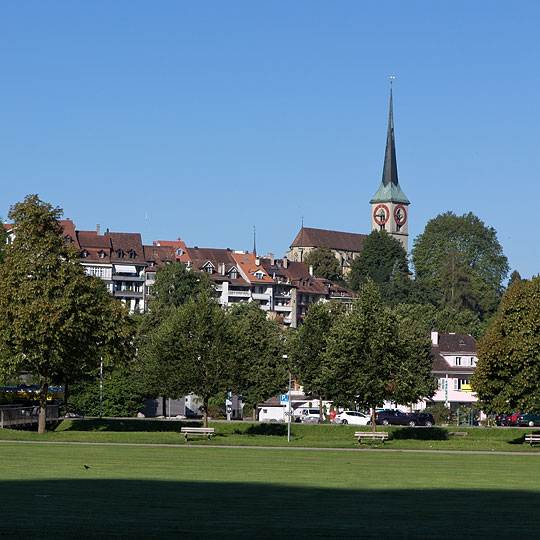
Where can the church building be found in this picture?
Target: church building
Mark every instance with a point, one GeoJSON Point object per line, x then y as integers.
{"type": "Point", "coordinates": [389, 212]}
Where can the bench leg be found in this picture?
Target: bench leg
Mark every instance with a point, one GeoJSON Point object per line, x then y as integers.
{"type": "Point", "coordinates": [186, 437]}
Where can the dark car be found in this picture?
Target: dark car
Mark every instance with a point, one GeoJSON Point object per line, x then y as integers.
{"type": "Point", "coordinates": [529, 419]}
{"type": "Point", "coordinates": [424, 419]}
{"type": "Point", "coordinates": [394, 417]}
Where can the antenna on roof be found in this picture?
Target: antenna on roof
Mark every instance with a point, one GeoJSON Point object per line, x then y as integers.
{"type": "Point", "coordinates": [145, 227]}
{"type": "Point", "coordinates": [254, 243]}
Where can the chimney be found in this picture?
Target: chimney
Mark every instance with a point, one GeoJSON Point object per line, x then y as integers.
{"type": "Point", "coordinates": [285, 263]}
{"type": "Point", "coordinates": [434, 337]}
{"type": "Point", "coordinates": [310, 270]}
{"type": "Point", "coordinates": [257, 261]}
{"type": "Point", "coordinates": [222, 268]}
{"type": "Point", "coordinates": [98, 229]}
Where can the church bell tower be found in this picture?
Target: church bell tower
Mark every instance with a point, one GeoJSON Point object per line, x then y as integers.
{"type": "Point", "coordinates": [390, 206]}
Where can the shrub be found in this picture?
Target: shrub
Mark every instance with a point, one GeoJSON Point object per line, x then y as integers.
{"type": "Point", "coordinates": [440, 412]}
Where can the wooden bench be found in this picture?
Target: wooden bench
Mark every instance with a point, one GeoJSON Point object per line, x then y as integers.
{"type": "Point", "coordinates": [371, 436]}
{"type": "Point", "coordinates": [205, 431]}
{"type": "Point", "coordinates": [458, 433]}
{"type": "Point", "coordinates": [532, 438]}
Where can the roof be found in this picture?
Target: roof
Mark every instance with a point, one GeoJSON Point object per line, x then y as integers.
{"type": "Point", "coordinates": [179, 246]}
{"type": "Point", "coordinates": [389, 190]}
{"type": "Point", "coordinates": [68, 229]}
{"type": "Point", "coordinates": [454, 344]}
{"type": "Point", "coordinates": [308, 237]}
{"type": "Point", "coordinates": [158, 255]}
{"type": "Point", "coordinates": [221, 260]}
{"type": "Point", "coordinates": [126, 242]}
{"type": "Point", "coordinates": [249, 265]}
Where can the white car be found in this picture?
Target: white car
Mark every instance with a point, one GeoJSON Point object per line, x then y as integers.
{"type": "Point", "coordinates": [352, 417]}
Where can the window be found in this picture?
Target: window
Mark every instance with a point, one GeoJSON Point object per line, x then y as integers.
{"type": "Point", "coordinates": [151, 277]}
{"type": "Point", "coordinates": [460, 383]}
{"type": "Point", "coordinates": [120, 254]}
{"type": "Point", "coordinates": [179, 252]}
{"type": "Point", "coordinates": [442, 383]}
{"type": "Point", "coordinates": [68, 239]}
{"type": "Point", "coordinates": [458, 361]}
{"type": "Point", "coordinates": [151, 263]}
{"type": "Point", "coordinates": [208, 269]}
{"type": "Point", "coordinates": [84, 254]}
{"type": "Point", "coordinates": [473, 361]}
{"type": "Point", "coordinates": [101, 254]}
{"type": "Point", "coordinates": [131, 254]}
{"type": "Point", "coordinates": [233, 274]}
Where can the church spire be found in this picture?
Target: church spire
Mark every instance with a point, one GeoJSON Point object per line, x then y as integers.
{"type": "Point", "coordinates": [390, 163]}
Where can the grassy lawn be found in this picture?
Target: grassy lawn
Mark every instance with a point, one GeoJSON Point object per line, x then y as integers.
{"type": "Point", "coordinates": [253, 434]}
{"type": "Point", "coordinates": [160, 492]}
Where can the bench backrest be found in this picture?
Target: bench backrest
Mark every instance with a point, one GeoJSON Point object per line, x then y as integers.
{"type": "Point", "coordinates": [197, 430]}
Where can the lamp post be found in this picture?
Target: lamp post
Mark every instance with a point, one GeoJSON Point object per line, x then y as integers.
{"type": "Point", "coordinates": [289, 401]}
{"type": "Point", "coordinates": [101, 389]}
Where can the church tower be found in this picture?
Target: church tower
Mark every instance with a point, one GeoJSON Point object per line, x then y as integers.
{"type": "Point", "coordinates": [389, 206]}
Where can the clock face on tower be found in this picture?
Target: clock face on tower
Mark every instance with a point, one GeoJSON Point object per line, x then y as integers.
{"type": "Point", "coordinates": [381, 214]}
{"type": "Point", "coordinates": [400, 215]}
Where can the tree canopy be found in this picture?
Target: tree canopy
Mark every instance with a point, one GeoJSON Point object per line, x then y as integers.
{"type": "Point", "coordinates": [190, 352]}
{"type": "Point", "coordinates": [382, 258]}
{"type": "Point", "coordinates": [55, 318]}
{"type": "Point", "coordinates": [478, 249]}
{"type": "Point", "coordinates": [325, 264]}
{"type": "Point", "coordinates": [175, 284]}
{"type": "Point", "coordinates": [507, 375]}
{"type": "Point", "coordinates": [259, 369]}
{"type": "Point", "coordinates": [307, 347]}
{"type": "Point", "coordinates": [373, 355]}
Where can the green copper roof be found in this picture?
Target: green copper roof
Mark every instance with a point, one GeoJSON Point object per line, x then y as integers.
{"type": "Point", "coordinates": [389, 190]}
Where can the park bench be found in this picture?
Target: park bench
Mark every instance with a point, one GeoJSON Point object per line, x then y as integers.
{"type": "Point", "coordinates": [458, 433]}
{"type": "Point", "coordinates": [205, 431]}
{"type": "Point", "coordinates": [532, 438]}
{"type": "Point", "coordinates": [371, 436]}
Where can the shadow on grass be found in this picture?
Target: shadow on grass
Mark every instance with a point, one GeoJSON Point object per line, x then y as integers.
{"type": "Point", "coordinates": [521, 439]}
{"type": "Point", "coordinates": [420, 434]}
{"type": "Point", "coordinates": [124, 425]}
{"type": "Point", "coordinates": [91, 508]}
{"type": "Point", "coordinates": [264, 429]}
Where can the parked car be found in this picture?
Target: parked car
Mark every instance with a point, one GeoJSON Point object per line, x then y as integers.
{"type": "Point", "coordinates": [352, 417]}
{"type": "Point", "coordinates": [510, 419]}
{"type": "Point", "coordinates": [424, 418]}
{"type": "Point", "coordinates": [500, 418]}
{"type": "Point", "coordinates": [529, 419]}
{"type": "Point", "coordinates": [394, 417]}
{"type": "Point", "coordinates": [310, 416]}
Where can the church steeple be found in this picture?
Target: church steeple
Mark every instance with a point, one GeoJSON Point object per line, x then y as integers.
{"type": "Point", "coordinates": [389, 174]}
{"type": "Point", "coordinates": [389, 205]}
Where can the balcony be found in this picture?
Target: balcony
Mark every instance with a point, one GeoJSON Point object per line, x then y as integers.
{"type": "Point", "coordinates": [287, 309]}
{"type": "Point", "coordinates": [128, 294]}
{"type": "Point", "coordinates": [243, 294]}
{"type": "Point", "coordinates": [262, 296]}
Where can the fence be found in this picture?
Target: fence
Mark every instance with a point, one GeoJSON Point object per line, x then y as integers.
{"type": "Point", "coordinates": [18, 417]}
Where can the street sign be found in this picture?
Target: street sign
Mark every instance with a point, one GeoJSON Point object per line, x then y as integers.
{"type": "Point", "coordinates": [284, 398]}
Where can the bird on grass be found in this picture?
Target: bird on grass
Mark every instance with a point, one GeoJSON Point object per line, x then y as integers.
{"type": "Point", "coordinates": [86, 467]}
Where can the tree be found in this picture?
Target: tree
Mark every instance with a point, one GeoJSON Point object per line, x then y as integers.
{"type": "Point", "coordinates": [382, 257]}
{"type": "Point", "coordinates": [507, 375]}
{"type": "Point", "coordinates": [444, 319]}
{"type": "Point", "coordinates": [260, 371]}
{"type": "Point", "coordinates": [478, 248]}
{"type": "Point", "coordinates": [175, 284]}
{"type": "Point", "coordinates": [373, 356]}
{"type": "Point", "coordinates": [190, 352]}
{"type": "Point", "coordinates": [457, 284]}
{"type": "Point", "coordinates": [3, 242]}
{"type": "Point", "coordinates": [308, 346]}
{"type": "Point", "coordinates": [55, 317]}
{"type": "Point", "coordinates": [325, 264]}
{"type": "Point", "coordinates": [514, 276]}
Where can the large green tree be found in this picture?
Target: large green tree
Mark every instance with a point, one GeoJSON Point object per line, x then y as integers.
{"type": "Point", "coordinates": [507, 376]}
{"type": "Point", "coordinates": [373, 356]}
{"type": "Point", "coordinates": [55, 318]}
{"type": "Point", "coordinates": [175, 284]}
{"type": "Point", "coordinates": [307, 347]}
{"type": "Point", "coordinates": [325, 264]}
{"type": "Point", "coordinates": [259, 369]}
{"type": "Point", "coordinates": [190, 352]}
{"type": "Point", "coordinates": [382, 258]}
{"type": "Point", "coordinates": [478, 249]}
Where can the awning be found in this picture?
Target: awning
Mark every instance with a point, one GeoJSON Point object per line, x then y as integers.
{"type": "Point", "coordinates": [125, 269]}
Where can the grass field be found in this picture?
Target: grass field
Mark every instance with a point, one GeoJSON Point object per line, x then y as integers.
{"type": "Point", "coordinates": [171, 492]}
{"type": "Point", "coordinates": [254, 434]}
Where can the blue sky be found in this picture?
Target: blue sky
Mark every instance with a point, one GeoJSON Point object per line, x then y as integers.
{"type": "Point", "coordinates": [203, 119]}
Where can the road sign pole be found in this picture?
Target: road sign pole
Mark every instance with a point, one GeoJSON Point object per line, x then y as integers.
{"type": "Point", "coordinates": [289, 419]}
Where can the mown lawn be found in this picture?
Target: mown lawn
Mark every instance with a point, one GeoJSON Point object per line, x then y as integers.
{"type": "Point", "coordinates": [254, 434]}
{"type": "Point", "coordinates": [193, 492]}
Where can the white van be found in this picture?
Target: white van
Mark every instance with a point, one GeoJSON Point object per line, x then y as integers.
{"type": "Point", "coordinates": [310, 416]}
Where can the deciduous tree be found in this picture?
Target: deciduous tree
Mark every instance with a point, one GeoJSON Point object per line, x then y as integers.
{"type": "Point", "coordinates": [372, 356]}
{"type": "Point", "coordinates": [55, 317]}
{"type": "Point", "coordinates": [507, 375]}
{"type": "Point", "coordinates": [325, 264]}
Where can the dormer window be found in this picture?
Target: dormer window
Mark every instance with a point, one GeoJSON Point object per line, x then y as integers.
{"type": "Point", "coordinates": [233, 274]}
{"type": "Point", "coordinates": [209, 269]}
{"type": "Point", "coordinates": [151, 263]}
{"type": "Point", "coordinates": [84, 254]}
{"type": "Point", "coordinates": [120, 254]}
{"type": "Point", "coordinates": [68, 239]}
{"type": "Point", "coordinates": [179, 252]}
{"type": "Point", "coordinates": [259, 275]}
{"type": "Point", "coordinates": [101, 254]}
{"type": "Point", "coordinates": [131, 254]}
